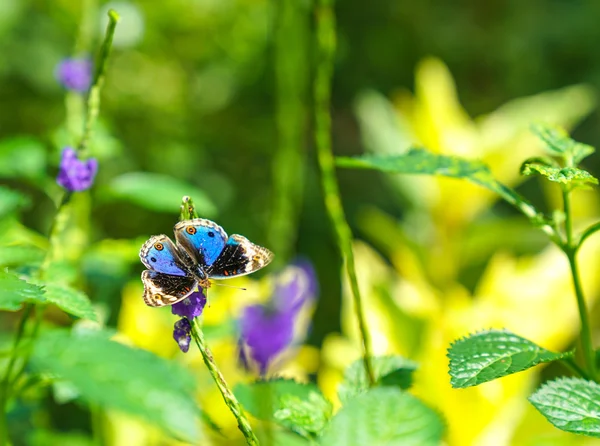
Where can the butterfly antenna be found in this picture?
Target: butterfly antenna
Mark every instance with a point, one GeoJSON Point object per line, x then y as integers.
{"type": "Point", "coordinates": [231, 286]}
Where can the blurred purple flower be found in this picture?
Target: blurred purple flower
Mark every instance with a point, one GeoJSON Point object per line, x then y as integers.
{"type": "Point", "coordinates": [74, 174]}
{"type": "Point", "coordinates": [191, 306]}
{"type": "Point", "coordinates": [181, 334]}
{"type": "Point", "coordinates": [75, 74]}
{"type": "Point", "coordinates": [267, 330]}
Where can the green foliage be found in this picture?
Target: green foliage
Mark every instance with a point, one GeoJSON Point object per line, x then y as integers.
{"type": "Point", "coordinates": [264, 398]}
{"type": "Point", "coordinates": [305, 417]}
{"type": "Point", "coordinates": [571, 176]}
{"type": "Point", "coordinates": [10, 201]}
{"type": "Point", "coordinates": [19, 255]}
{"type": "Point", "coordinates": [384, 416]}
{"type": "Point", "coordinates": [492, 354]}
{"type": "Point", "coordinates": [115, 376]}
{"type": "Point", "coordinates": [22, 157]}
{"type": "Point", "coordinates": [571, 404]}
{"type": "Point", "coordinates": [70, 300]}
{"type": "Point", "coordinates": [14, 292]}
{"type": "Point", "coordinates": [157, 192]}
{"type": "Point", "coordinates": [392, 371]}
{"type": "Point", "coordinates": [558, 142]}
{"type": "Point", "coordinates": [422, 162]}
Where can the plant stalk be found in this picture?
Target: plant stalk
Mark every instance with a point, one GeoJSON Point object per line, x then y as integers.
{"type": "Point", "coordinates": [228, 396]}
{"type": "Point", "coordinates": [571, 252]}
{"type": "Point", "coordinates": [326, 42]}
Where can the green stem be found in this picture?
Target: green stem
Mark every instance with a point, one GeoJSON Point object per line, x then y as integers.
{"type": "Point", "coordinates": [574, 367]}
{"type": "Point", "coordinates": [228, 397]}
{"type": "Point", "coordinates": [571, 252]}
{"type": "Point", "coordinates": [322, 96]}
{"type": "Point", "coordinates": [291, 26]}
{"type": "Point", "coordinates": [5, 383]}
{"type": "Point", "coordinates": [93, 102]}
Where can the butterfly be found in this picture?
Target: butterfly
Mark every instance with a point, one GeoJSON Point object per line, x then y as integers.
{"type": "Point", "coordinates": [202, 251]}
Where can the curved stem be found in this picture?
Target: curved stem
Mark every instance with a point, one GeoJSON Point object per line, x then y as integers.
{"type": "Point", "coordinates": [589, 231]}
{"type": "Point", "coordinates": [322, 95]}
{"type": "Point", "coordinates": [228, 396]}
{"type": "Point", "coordinates": [574, 367]}
{"type": "Point", "coordinates": [571, 252]}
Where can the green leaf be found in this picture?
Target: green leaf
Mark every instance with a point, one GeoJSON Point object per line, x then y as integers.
{"type": "Point", "coordinates": [393, 371]}
{"type": "Point", "coordinates": [71, 301]}
{"type": "Point", "coordinates": [492, 354]}
{"type": "Point", "coordinates": [115, 376]}
{"type": "Point", "coordinates": [384, 416]}
{"type": "Point", "coordinates": [558, 141]}
{"type": "Point", "coordinates": [158, 192]}
{"type": "Point", "coordinates": [566, 175]}
{"type": "Point", "coordinates": [305, 417]}
{"type": "Point", "coordinates": [263, 398]}
{"type": "Point", "coordinates": [10, 201]}
{"type": "Point", "coordinates": [570, 404]}
{"type": "Point", "coordinates": [421, 161]}
{"type": "Point", "coordinates": [19, 255]}
{"type": "Point", "coordinates": [22, 157]}
{"type": "Point", "coordinates": [14, 291]}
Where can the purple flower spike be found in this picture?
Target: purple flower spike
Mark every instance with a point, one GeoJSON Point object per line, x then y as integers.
{"type": "Point", "coordinates": [267, 330]}
{"type": "Point", "coordinates": [75, 74]}
{"type": "Point", "coordinates": [76, 175]}
{"type": "Point", "coordinates": [191, 306]}
{"type": "Point", "coordinates": [181, 334]}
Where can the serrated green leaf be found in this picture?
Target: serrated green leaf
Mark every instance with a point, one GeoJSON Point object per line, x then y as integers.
{"type": "Point", "coordinates": [19, 255]}
{"type": "Point", "coordinates": [263, 398]}
{"type": "Point", "coordinates": [566, 175]}
{"type": "Point", "coordinates": [558, 141]}
{"type": "Point", "coordinates": [384, 416]}
{"type": "Point", "coordinates": [570, 404]}
{"type": "Point", "coordinates": [10, 201]}
{"type": "Point", "coordinates": [71, 301]}
{"type": "Point", "coordinates": [115, 376]}
{"type": "Point", "coordinates": [492, 354]}
{"type": "Point", "coordinates": [158, 192]}
{"type": "Point", "coordinates": [305, 417]}
{"type": "Point", "coordinates": [14, 291]}
{"type": "Point", "coordinates": [22, 157]}
{"type": "Point", "coordinates": [421, 161]}
{"type": "Point", "coordinates": [394, 371]}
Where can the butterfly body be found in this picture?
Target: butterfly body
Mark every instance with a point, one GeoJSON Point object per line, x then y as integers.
{"type": "Point", "coordinates": [202, 252]}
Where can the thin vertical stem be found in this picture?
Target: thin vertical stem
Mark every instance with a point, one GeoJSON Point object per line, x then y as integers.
{"type": "Point", "coordinates": [291, 24]}
{"type": "Point", "coordinates": [5, 383]}
{"type": "Point", "coordinates": [228, 396]}
{"type": "Point", "coordinates": [571, 252]}
{"type": "Point", "coordinates": [322, 96]}
{"type": "Point", "coordinates": [93, 102]}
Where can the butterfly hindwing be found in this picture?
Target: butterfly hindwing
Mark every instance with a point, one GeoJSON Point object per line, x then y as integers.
{"type": "Point", "coordinates": [160, 254]}
{"type": "Point", "coordinates": [239, 257]}
{"type": "Point", "coordinates": [202, 239]}
{"type": "Point", "coordinates": [165, 289]}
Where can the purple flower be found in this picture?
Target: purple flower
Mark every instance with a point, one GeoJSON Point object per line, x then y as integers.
{"type": "Point", "coordinates": [75, 74]}
{"type": "Point", "coordinates": [181, 334]}
{"type": "Point", "coordinates": [191, 306]}
{"type": "Point", "coordinates": [267, 330]}
{"type": "Point", "coordinates": [76, 175]}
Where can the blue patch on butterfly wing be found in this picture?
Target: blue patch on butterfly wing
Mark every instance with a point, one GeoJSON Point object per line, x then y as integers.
{"type": "Point", "coordinates": [203, 239]}
{"type": "Point", "coordinates": [160, 254]}
{"type": "Point", "coordinates": [239, 257]}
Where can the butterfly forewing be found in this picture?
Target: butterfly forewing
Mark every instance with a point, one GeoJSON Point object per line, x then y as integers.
{"type": "Point", "coordinates": [239, 257]}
